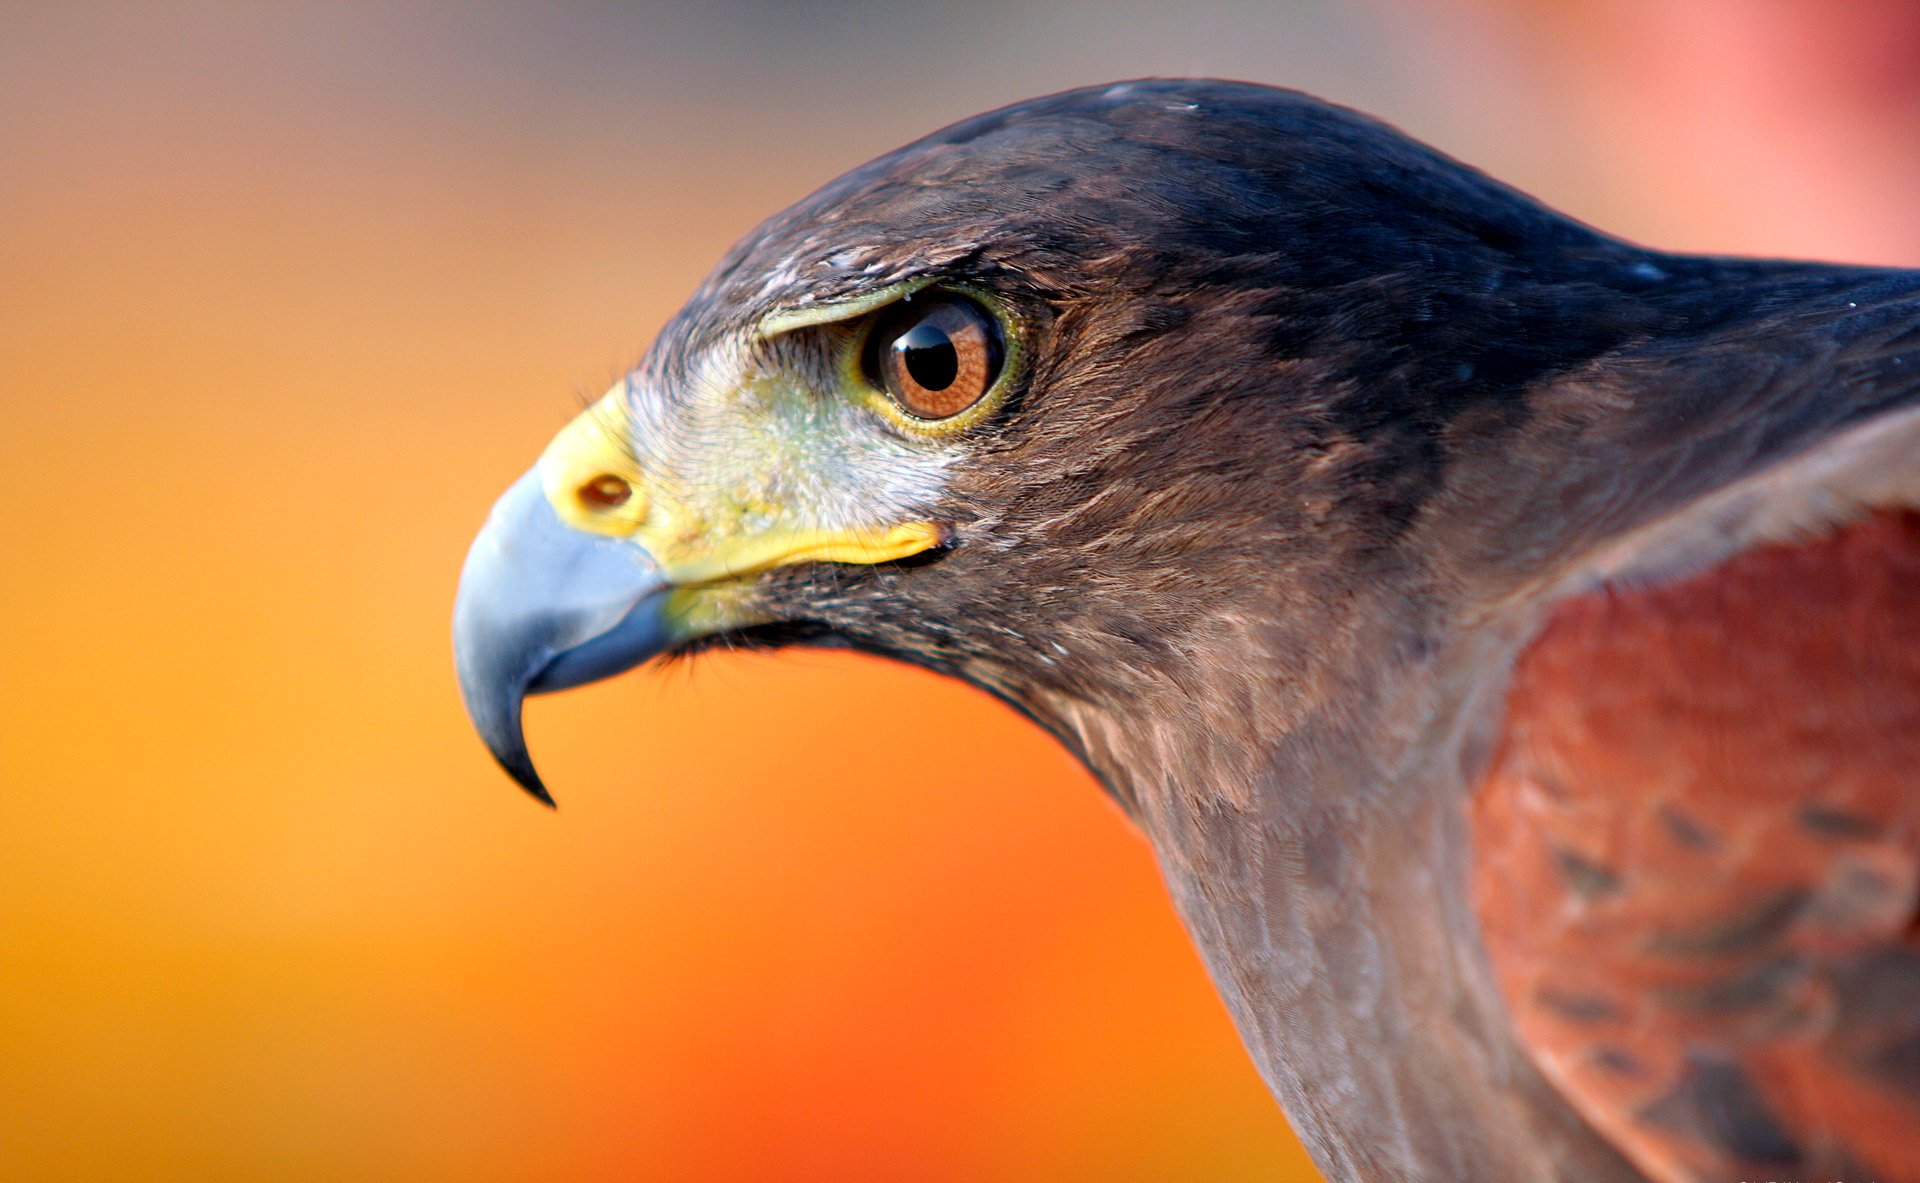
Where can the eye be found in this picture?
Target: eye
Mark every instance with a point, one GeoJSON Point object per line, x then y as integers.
{"type": "Point", "coordinates": [605, 492]}
{"type": "Point", "coordinates": [935, 357]}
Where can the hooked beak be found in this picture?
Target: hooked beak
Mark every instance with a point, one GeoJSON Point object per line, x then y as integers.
{"type": "Point", "coordinates": [543, 606]}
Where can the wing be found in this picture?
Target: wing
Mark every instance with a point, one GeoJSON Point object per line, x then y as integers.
{"type": "Point", "coordinates": [1698, 853]}
{"type": "Point", "coordinates": [1697, 847]}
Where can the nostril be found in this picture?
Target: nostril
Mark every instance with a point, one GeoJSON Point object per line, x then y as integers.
{"type": "Point", "coordinates": [605, 492]}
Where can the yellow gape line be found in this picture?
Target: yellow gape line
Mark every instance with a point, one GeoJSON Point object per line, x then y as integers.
{"type": "Point", "coordinates": [739, 557]}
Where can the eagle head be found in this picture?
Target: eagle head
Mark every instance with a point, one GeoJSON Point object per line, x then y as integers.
{"type": "Point", "coordinates": [1117, 403]}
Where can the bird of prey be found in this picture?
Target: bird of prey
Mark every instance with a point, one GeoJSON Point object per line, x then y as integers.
{"type": "Point", "coordinates": [1507, 636]}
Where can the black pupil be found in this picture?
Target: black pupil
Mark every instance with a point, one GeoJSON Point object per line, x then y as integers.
{"type": "Point", "coordinates": [930, 357]}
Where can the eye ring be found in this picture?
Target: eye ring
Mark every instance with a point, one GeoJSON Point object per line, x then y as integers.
{"type": "Point", "coordinates": [935, 357]}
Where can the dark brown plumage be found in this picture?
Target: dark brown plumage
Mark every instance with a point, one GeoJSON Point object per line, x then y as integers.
{"type": "Point", "coordinates": [1314, 437]}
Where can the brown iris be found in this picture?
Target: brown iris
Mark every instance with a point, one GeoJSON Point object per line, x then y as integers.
{"type": "Point", "coordinates": [935, 356]}
{"type": "Point", "coordinates": [605, 492]}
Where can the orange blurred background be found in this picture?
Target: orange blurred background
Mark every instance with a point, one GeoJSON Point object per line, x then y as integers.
{"type": "Point", "coordinates": [287, 296]}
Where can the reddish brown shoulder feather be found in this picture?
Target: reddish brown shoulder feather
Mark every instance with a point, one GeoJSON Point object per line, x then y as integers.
{"type": "Point", "coordinates": [1698, 859]}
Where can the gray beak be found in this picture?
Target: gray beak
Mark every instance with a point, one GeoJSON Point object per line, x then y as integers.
{"type": "Point", "coordinates": [543, 606]}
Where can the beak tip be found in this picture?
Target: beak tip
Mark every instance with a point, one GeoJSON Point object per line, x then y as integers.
{"type": "Point", "coordinates": [517, 764]}
{"type": "Point", "coordinates": [539, 793]}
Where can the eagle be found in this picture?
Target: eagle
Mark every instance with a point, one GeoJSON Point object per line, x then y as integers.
{"type": "Point", "coordinates": [1507, 636]}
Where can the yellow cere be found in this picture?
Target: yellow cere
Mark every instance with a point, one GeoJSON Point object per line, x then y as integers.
{"type": "Point", "coordinates": [585, 453]}
{"type": "Point", "coordinates": [588, 456]}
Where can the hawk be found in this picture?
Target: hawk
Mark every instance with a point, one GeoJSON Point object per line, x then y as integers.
{"type": "Point", "coordinates": [1507, 636]}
